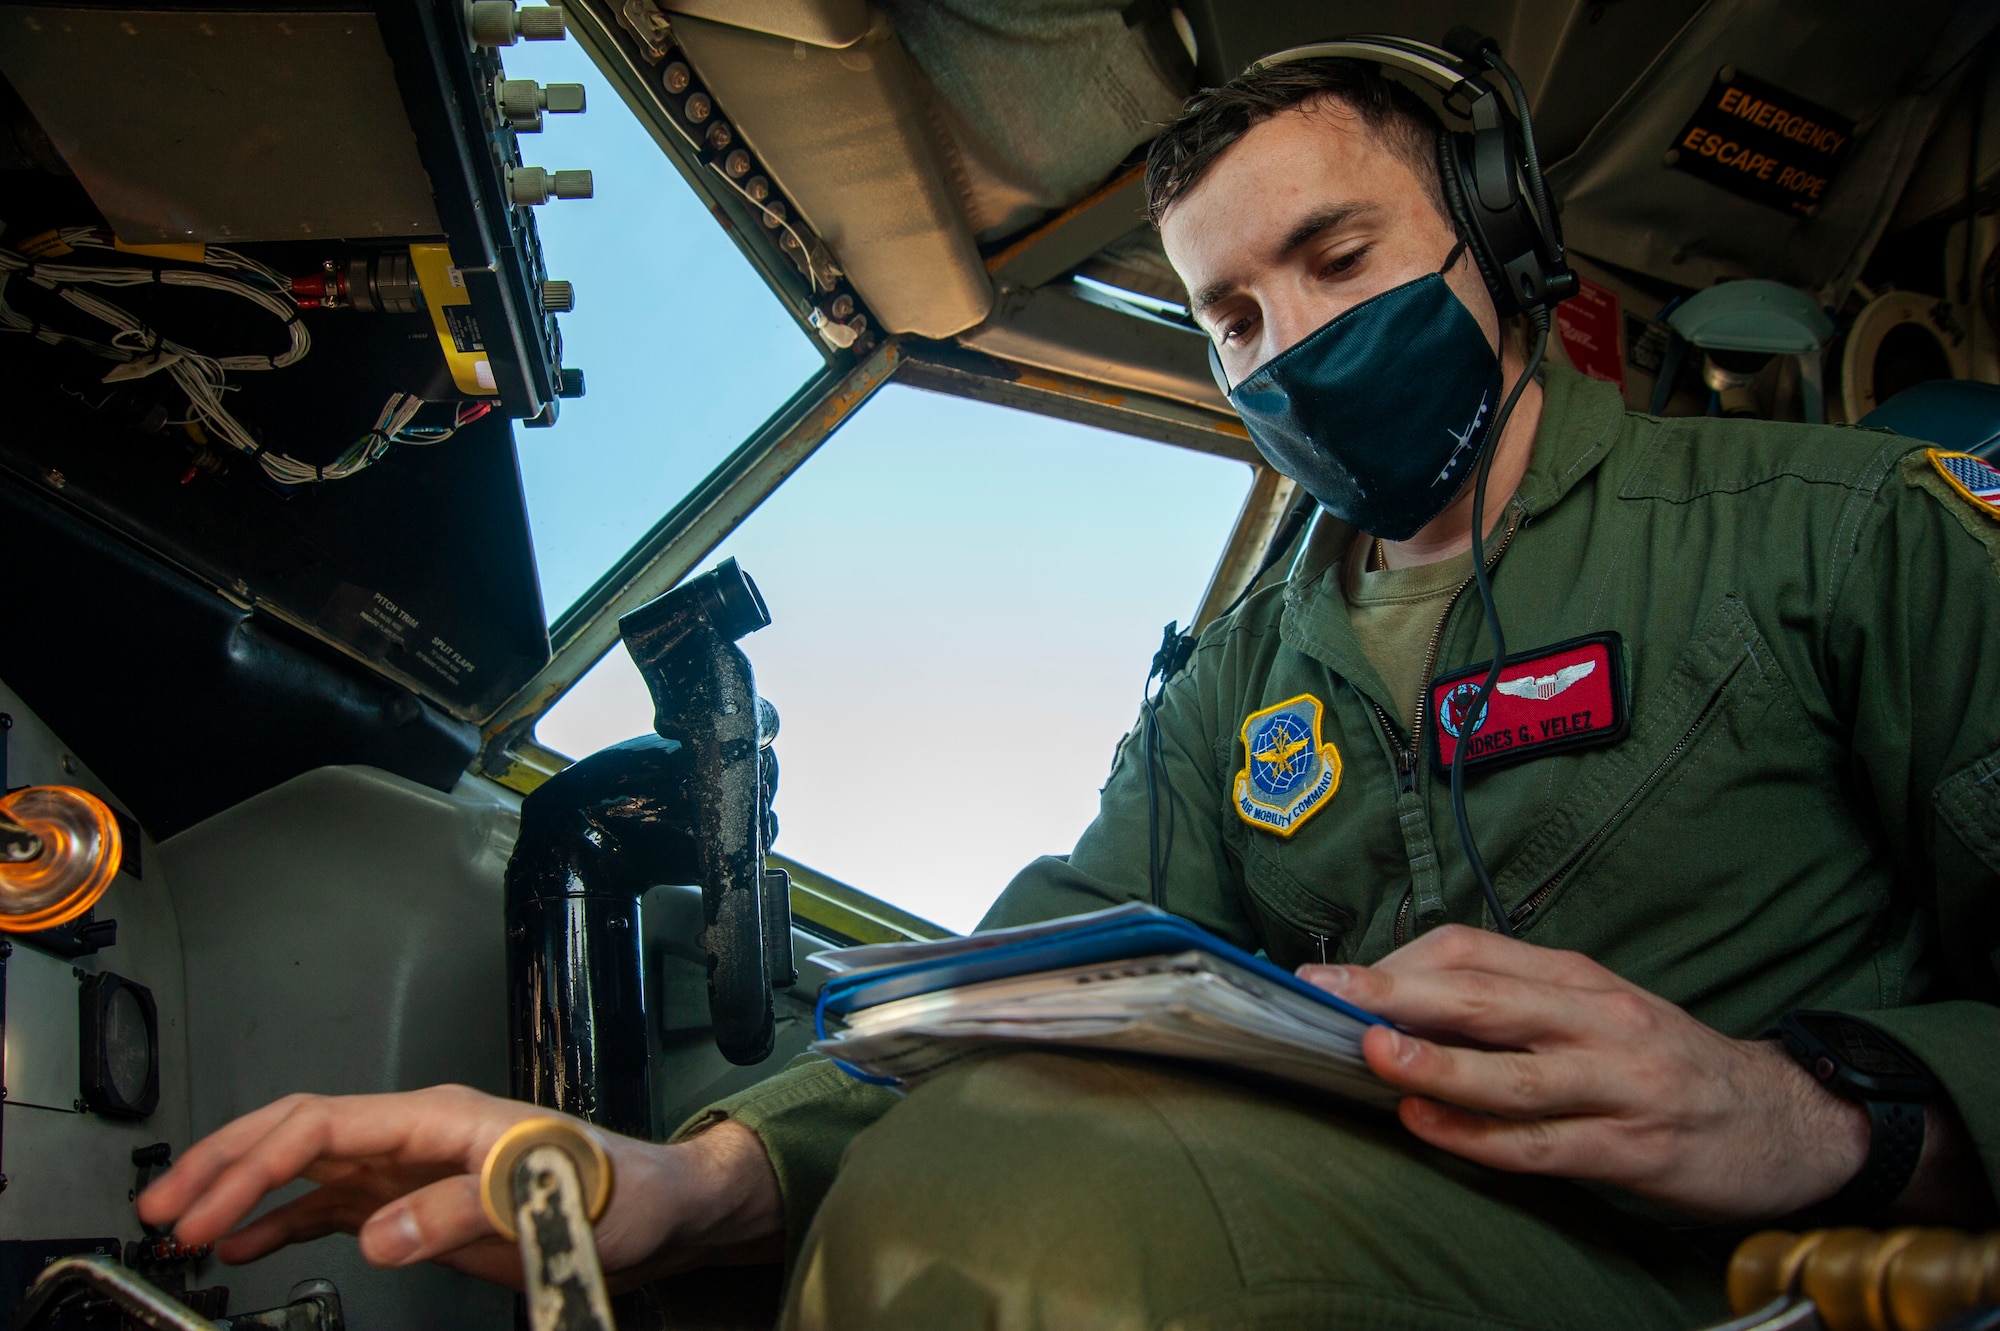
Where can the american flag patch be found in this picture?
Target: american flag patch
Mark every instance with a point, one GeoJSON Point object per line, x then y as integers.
{"type": "Point", "coordinates": [1974, 477]}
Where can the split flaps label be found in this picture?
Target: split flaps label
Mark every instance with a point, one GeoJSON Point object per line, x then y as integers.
{"type": "Point", "coordinates": [1568, 696]}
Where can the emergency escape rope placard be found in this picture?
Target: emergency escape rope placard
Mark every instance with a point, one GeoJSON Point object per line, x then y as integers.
{"type": "Point", "coordinates": [1766, 144]}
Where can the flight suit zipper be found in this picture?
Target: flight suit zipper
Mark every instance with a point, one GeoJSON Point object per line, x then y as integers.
{"type": "Point", "coordinates": [1410, 755]}
{"type": "Point", "coordinates": [1519, 915]}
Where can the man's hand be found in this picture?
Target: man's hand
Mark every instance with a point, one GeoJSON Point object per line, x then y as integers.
{"type": "Point", "coordinates": [401, 1171]}
{"type": "Point", "coordinates": [1544, 1062]}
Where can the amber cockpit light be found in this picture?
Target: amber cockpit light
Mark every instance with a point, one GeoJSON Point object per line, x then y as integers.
{"type": "Point", "coordinates": [59, 848]}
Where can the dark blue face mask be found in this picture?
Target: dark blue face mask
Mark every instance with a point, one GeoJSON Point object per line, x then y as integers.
{"type": "Point", "coordinates": [1383, 411]}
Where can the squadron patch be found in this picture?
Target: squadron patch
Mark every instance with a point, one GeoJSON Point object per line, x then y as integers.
{"type": "Point", "coordinates": [1568, 696]}
{"type": "Point", "coordinates": [1974, 477]}
{"type": "Point", "coordinates": [1288, 772]}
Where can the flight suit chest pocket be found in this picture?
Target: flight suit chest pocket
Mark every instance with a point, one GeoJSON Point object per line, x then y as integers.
{"type": "Point", "coordinates": [1697, 735]}
{"type": "Point", "coordinates": [1298, 920]}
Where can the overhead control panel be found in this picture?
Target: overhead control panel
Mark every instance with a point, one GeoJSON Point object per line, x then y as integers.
{"type": "Point", "coordinates": [271, 293]}
{"type": "Point", "coordinates": [287, 124]}
{"type": "Point", "coordinates": [362, 132]}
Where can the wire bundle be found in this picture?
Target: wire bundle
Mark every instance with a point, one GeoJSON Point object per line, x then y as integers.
{"type": "Point", "coordinates": [142, 350]}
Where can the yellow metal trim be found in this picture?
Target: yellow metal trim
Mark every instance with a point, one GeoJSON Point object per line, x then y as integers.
{"type": "Point", "coordinates": [529, 765]}
{"type": "Point", "coordinates": [848, 911]}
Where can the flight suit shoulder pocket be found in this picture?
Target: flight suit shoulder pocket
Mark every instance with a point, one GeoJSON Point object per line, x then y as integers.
{"type": "Point", "coordinates": [1968, 802]}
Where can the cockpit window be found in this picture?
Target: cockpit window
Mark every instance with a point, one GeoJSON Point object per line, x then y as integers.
{"type": "Point", "coordinates": [964, 600]}
{"type": "Point", "coordinates": [685, 350]}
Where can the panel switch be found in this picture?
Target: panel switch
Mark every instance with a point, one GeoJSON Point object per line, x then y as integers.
{"type": "Point", "coordinates": [531, 185]}
{"type": "Point", "coordinates": [499, 23]}
{"type": "Point", "coordinates": [522, 101]}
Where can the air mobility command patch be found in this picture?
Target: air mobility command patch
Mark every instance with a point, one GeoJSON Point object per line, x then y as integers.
{"type": "Point", "coordinates": [1568, 696]}
{"type": "Point", "coordinates": [1289, 773]}
{"type": "Point", "coordinates": [1974, 477]}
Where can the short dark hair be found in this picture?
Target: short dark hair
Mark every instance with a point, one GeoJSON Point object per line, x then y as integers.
{"type": "Point", "coordinates": [1215, 118]}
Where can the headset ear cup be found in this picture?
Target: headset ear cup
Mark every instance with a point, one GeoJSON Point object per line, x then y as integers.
{"type": "Point", "coordinates": [1453, 151]}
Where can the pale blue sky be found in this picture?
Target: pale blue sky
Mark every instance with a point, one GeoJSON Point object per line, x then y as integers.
{"type": "Point", "coordinates": [965, 598]}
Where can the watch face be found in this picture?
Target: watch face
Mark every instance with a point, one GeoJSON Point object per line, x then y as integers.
{"type": "Point", "coordinates": [1862, 1049]}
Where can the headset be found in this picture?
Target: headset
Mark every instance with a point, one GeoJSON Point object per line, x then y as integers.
{"type": "Point", "coordinates": [1499, 205]}
{"type": "Point", "coordinates": [1492, 173]}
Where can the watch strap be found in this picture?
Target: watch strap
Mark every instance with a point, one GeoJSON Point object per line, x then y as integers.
{"type": "Point", "coordinates": [1895, 1145]}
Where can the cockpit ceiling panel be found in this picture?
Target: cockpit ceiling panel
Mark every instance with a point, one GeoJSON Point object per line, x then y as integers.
{"type": "Point", "coordinates": [1888, 69]}
{"type": "Point", "coordinates": [216, 126]}
{"type": "Point", "coordinates": [831, 23]}
{"type": "Point", "coordinates": [1041, 100]}
{"type": "Point", "coordinates": [845, 134]}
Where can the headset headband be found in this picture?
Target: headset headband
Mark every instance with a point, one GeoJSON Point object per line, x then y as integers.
{"type": "Point", "coordinates": [1512, 231]}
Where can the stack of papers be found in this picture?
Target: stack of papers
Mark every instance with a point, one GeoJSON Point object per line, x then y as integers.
{"type": "Point", "coordinates": [1131, 980]}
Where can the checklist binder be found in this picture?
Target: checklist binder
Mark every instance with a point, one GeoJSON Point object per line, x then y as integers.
{"type": "Point", "coordinates": [1131, 979]}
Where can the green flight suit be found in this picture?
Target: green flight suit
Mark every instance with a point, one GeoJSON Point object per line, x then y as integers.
{"type": "Point", "coordinates": [1803, 814]}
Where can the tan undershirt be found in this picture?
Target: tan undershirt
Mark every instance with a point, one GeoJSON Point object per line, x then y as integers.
{"type": "Point", "coordinates": [1395, 612]}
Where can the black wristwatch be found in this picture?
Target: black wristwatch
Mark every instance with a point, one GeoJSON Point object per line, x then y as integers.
{"type": "Point", "coordinates": [1860, 1063]}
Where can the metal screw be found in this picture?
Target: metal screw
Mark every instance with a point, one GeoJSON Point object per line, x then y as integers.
{"type": "Point", "coordinates": [757, 188]}
{"type": "Point", "coordinates": [69, 764]}
{"type": "Point", "coordinates": [675, 78]}
{"type": "Point", "coordinates": [55, 478]}
{"type": "Point", "coordinates": [737, 164]}
{"type": "Point", "coordinates": [697, 107]}
{"type": "Point", "coordinates": [719, 135]}
{"type": "Point", "coordinates": [842, 306]}
{"type": "Point", "coordinates": [773, 213]}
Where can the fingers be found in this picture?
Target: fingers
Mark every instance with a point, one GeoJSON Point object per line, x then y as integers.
{"type": "Point", "coordinates": [428, 1223]}
{"type": "Point", "coordinates": [1563, 1147]}
{"type": "Point", "coordinates": [1459, 947]}
{"type": "Point", "coordinates": [320, 1212]}
{"type": "Point", "coordinates": [167, 1196]}
{"type": "Point", "coordinates": [421, 1134]}
{"type": "Point", "coordinates": [441, 1222]}
{"type": "Point", "coordinates": [1518, 1085]}
{"type": "Point", "coordinates": [1492, 1008]}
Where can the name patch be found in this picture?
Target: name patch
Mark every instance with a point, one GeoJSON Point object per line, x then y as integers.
{"type": "Point", "coordinates": [1568, 696]}
{"type": "Point", "coordinates": [1766, 144]}
{"type": "Point", "coordinates": [1288, 772]}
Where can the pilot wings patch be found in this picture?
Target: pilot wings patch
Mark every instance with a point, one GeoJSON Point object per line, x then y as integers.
{"type": "Point", "coordinates": [1544, 687]}
{"type": "Point", "coordinates": [1288, 772]}
{"type": "Point", "coordinates": [1568, 696]}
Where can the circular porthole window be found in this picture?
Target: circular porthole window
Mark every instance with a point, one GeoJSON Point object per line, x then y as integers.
{"type": "Point", "coordinates": [121, 1047]}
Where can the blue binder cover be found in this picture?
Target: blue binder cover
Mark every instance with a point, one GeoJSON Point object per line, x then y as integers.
{"type": "Point", "coordinates": [1122, 937]}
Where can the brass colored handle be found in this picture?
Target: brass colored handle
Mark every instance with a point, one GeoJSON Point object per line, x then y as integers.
{"type": "Point", "coordinates": [1869, 1280]}
{"type": "Point", "coordinates": [496, 1176]}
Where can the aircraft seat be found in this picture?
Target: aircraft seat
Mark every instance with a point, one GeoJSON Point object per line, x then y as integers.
{"type": "Point", "coordinates": [1956, 414]}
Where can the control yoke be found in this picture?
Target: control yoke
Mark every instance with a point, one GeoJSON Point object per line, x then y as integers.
{"type": "Point", "coordinates": [705, 699]}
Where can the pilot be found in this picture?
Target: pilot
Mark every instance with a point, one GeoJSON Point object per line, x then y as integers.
{"type": "Point", "coordinates": [1772, 790]}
